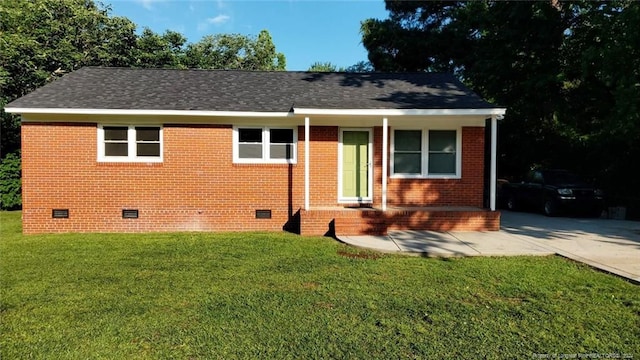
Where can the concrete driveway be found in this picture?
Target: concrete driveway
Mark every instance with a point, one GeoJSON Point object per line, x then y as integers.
{"type": "Point", "coordinates": [610, 245]}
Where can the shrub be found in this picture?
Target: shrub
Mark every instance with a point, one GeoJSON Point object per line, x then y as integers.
{"type": "Point", "coordinates": [10, 184]}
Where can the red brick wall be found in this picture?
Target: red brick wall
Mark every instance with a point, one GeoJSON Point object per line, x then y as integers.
{"type": "Point", "coordinates": [323, 168]}
{"type": "Point", "coordinates": [197, 187]}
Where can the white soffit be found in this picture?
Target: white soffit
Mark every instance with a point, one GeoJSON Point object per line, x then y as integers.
{"type": "Point", "coordinates": [400, 112]}
{"type": "Point", "coordinates": [498, 112]}
{"type": "Point", "coordinates": [144, 112]}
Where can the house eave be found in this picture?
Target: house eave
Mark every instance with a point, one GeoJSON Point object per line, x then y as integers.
{"type": "Point", "coordinates": [296, 112]}
{"type": "Point", "coordinates": [69, 111]}
{"type": "Point", "coordinates": [401, 112]}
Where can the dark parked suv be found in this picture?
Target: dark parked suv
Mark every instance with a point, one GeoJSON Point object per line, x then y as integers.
{"type": "Point", "coordinates": [553, 192]}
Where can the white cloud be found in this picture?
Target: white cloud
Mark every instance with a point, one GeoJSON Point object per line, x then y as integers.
{"type": "Point", "coordinates": [216, 21]}
{"type": "Point", "coordinates": [219, 20]}
{"type": "Point", "coordinates": [223, 19]}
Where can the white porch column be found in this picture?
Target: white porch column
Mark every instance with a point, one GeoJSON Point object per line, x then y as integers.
{"type": "Point", "coordinates": [385, 146]}
{"type": "Point", "coordinates": [494, 149]}
{"type": "Point", "coordinates": [307, 137]}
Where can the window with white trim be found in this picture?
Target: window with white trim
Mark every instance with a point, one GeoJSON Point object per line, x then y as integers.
{"type": "Point", "coordinates": [264, 144]}
{"type": "Point", "coordinates": [442, 152]}
{"type": "Point", "coordinates": [425, 153]}
{"type": "Point", "coordinates": [129, 143]}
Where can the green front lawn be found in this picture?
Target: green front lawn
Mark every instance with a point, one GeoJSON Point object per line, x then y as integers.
{"type": "Point", "coordinates": [276, 295]}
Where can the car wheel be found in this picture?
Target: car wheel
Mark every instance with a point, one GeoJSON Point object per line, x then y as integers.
{"type": "Point", "coordinates": [511, 203]}
{"type": "Point", "coordinates": [550, 208]}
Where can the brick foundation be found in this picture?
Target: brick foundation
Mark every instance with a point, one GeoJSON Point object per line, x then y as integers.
{"type": "Point", "coordinates": [375, 222]}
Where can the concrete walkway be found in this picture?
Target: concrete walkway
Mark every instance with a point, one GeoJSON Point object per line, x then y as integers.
{"type": "Point", "coordinates": [609, 245]}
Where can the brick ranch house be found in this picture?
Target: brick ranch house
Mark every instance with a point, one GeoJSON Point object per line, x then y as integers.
{"type": "Point", "coordinates": [140, 150]}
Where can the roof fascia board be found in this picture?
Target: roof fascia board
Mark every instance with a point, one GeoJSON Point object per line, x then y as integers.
{"type": "Point", "coordinates": [399, 112]}
{"type": "Point", "coordinates": [145, 112]}
{"type": "Point", "coordinates": [296, 111]}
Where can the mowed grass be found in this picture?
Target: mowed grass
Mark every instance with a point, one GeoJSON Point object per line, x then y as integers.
{"type": "Point", "coordinates": [277, 295]}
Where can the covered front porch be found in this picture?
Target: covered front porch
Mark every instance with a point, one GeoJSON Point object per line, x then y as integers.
{"type": "Point", "coordinates": [385, 199]}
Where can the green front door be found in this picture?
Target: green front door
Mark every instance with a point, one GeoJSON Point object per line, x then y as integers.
{"type": "Point", "coordinates": [355, 159]}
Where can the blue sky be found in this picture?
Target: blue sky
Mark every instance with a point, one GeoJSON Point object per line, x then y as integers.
{"type": "Point", "coordinates": [305, 31]}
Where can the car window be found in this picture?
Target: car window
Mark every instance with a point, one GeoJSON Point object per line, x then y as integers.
{"type": "Point", "coordinates": [537, 177]}
{"type": "Point", "coordinates": [562, 177]}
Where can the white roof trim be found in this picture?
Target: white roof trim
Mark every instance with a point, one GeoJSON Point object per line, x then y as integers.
{"type": "Point", "coordinates": [399, 112]}
{"type": "Point", "coordinates": [143, 112]}
{"type": "Point", "coordinates": [296, 111]}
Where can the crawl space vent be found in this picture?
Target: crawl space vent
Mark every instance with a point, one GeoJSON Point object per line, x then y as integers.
{"type": "Point", "coordinates": [130, 213]}
{"type": "Point", "coordinates": [263, 214]}
{"type": "Point", "coordinates": [60, 213]}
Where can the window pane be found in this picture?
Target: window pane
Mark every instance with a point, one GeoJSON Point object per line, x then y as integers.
{"type": "Point", "coordinates": [250, 151]}
{"type": "Point", "coordinates": [147, 134]}
{"type": "Point", "coordinates": [407, 163]}
{"type": "Point", "coordinates": [281, 136]}
{"type": "Point", "coordinates": [408, 140]}
{"type": "Point", "coordinates": [442, 140]}
{"type": "Point", "coordinates": [148, 149]}
{"type": "Point", "coordinates": [116, 149]}
{"type": "Point", "coordinates": [442, 163]}
{"type": "Point", "coordinates": [284, 151]}
{"type": "Point", "coordinates": [250, 135]}
{"type": "Point", "coordinates": [115, 133]}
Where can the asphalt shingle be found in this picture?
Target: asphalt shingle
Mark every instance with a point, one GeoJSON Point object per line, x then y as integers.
{"type": "Point", "coordinates": [261, 91]}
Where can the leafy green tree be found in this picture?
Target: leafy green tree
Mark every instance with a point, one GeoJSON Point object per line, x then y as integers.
{"type": "Point", "coordinates": [221, 51]}
{"type": "Point", "coordinates": [601, 111]}
{"type": "Point", "coordinates": [263, 55]}
{"type": "Point", "coordinates": [235, 51]}
{"type": "Point", "coordinates": [323, 67]}
{"type": "Point", "coordinates": [520, 68]}
{"type": "Point", "coordinates": [10, 186]}
{"type": "Point", "coordinates": [416, 36]}
{"type": "Point", "coordinates": [160, 51]}
{"type": "Point", "coordinates": [42, 39]}
{"type": "Point", "coordinates": [360, 67]}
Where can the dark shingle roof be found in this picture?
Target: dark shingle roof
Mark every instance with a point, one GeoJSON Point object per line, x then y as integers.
{"type": "Point", "coordinates": [261, 91]}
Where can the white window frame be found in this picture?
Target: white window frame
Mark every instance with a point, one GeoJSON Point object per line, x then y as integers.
{"type": "Point", "coordinates": [425, 155]}
{"type": "Point", "coordinates": [131, 143]}
{"type": "Point", "coordinates": [266, 145]}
